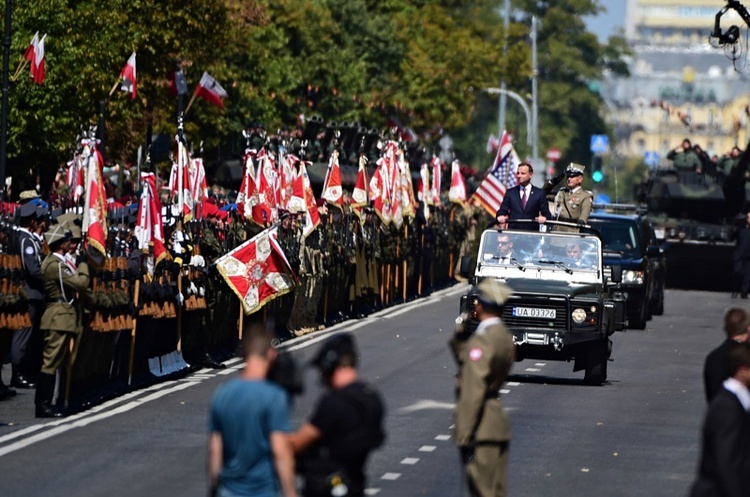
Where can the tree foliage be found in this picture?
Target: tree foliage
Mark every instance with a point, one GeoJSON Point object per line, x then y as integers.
{"type": "Point", "coordinates": [423, 62]}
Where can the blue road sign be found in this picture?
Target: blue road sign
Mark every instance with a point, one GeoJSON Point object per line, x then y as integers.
{"type": "Point", "coordinates": [651, 159]}
{"type": "Point", "coordinates": [599, 143]}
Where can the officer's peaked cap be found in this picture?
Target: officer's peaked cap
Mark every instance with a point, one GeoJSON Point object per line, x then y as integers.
{"type": "Point", "coordinates": [574, 169]}
{"type": "Point", "coordinates": [56, 233]}
{"type": "Point", "coordinates": [493, 292]}
{"type": "Point", "coordinates": [27, 210]}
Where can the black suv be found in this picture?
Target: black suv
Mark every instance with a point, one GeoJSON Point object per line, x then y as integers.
{"type": "Point", "coordinates": [630, 242]}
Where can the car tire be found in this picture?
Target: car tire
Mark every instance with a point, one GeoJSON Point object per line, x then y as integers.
{"type": "Point", "coordinates": [596, 369]}
{"type": "Point", "coordinates": [638, 321]}
{"type": "Point", "coordinates": [658, 308]}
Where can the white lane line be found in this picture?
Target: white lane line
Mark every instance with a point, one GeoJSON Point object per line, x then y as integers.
{"type": "Point", "coordinates": [410, 460]}
{"type": "Point", "coordinates": [505, 391]}
{"type": "Point", "coordinates": [227, 371]}
{"type": "Point", "coordinates": [391, 476]}
{"type": "Point", "coordinates": [443, 437]}
{"type": "Point", "coordinates": [372, 491]}
{"type": "Point", "coordinates": [427, 448]}
{"type": "Point", "coordinates": [533, 370]}
{"type": "Point", "coordinates": [513, 383]}
{"type": "Point", "coordinates": [540, 364]}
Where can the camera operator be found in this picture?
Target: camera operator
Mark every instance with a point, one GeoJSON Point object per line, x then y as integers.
{"type": "Point", "coordinates": [345, 427]}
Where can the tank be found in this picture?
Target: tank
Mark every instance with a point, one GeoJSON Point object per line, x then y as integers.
{"type": "Point", "coordinates": [692, 215]}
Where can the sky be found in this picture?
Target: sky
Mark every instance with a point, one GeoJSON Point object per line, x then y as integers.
{"type": "Point", "coordinates": [608, 23]}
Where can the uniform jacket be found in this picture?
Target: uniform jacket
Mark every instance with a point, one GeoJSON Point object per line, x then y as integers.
{"type": "Point", "coordinates": [573, 205]}
{"type": "Point", "coordinates": [59, 313]}
{"type": "Point", "coordinates": [535, 205]}
{"type": "Point", "coordinates": [31, 259]}
{"type": "Point", "coordinates": [485, 360]}
{"type": "Point", "coordinates": [725, 454]}
{"type": "Point", "coordinates": [684, 161]}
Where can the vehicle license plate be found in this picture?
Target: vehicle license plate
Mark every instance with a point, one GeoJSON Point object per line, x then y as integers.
{"type": "Point", "coordinates": [534, 312]}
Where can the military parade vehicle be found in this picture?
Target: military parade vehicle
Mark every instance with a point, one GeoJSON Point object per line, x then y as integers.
{"type": "Point", "coordinates": [692, 213]}
{"type": "Point", "coordinates": [561, 308]}
{"type": "Point", "coordinates": [629, 240]}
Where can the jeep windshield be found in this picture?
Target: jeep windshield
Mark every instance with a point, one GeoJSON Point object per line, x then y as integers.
{"type": "Point", "coordinates": [521, 251]}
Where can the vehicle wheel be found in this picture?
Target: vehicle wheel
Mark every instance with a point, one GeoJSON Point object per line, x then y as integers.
{"type": "Point", "coordinates": [658, 308]}
{"type": "Point", "coordinates": [638, 321]}
{"type": "Point", "coordinates": [596, 370]}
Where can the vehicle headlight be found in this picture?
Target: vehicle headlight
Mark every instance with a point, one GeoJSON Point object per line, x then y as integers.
{"type": "Point", "coordinates": [633, 277]}
{"type": "Point", "coordinates": [578, 315]}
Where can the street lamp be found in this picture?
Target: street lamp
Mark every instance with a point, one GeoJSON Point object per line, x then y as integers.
{"type": "Point", "coordinates": [530, 138]}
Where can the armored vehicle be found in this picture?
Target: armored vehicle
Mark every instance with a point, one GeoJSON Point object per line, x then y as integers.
{"type": "Point", "coordinates": [561, 308]}
{"type": "Point", "coordinates": [691, 212]}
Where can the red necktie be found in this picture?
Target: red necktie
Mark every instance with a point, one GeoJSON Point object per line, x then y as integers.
{"type": "Point", "coordinates": [523, 198]}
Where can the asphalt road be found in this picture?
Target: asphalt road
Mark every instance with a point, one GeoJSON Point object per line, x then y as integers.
{"type": "Point", "coordinates": [636, 435]}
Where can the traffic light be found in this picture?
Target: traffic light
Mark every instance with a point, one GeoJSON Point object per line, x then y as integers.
{"type": "Point", "coordinates": [596, 169]}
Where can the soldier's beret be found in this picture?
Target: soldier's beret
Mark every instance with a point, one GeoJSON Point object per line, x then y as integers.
{"type": "Point", "coordinates": [574, 169]}
{"type": "Point", "coordinates": [493, 292]}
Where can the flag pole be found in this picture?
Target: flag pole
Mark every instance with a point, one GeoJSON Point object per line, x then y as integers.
{"type": "Point", "coordinates": [114, 87]}
{"type": "Point", "coordinates": [20, 68]}
{"type": "Point", "coordinates": [190, 103]}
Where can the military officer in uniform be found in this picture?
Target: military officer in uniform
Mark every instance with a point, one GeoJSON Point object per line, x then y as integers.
{"type": "Point", "coordinates": [27, 342]}
{"type": "Point", "coordinates": [485, 357]}
{"type": "Point", "coordinates": [573, 204]}
{"type": "Point", "coordinates": [59, 321]}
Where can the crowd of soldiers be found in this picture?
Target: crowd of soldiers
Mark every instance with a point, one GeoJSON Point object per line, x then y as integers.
{"type": "Point", "coordinates": [134, 331]}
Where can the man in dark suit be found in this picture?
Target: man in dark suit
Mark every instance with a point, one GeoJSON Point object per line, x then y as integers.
{"type": "Point", "coordinates": [524, 201]}
{"type": "Point", "coordinates": [716, 367]}
{"type": "Point", "coordinates": [725, 456]}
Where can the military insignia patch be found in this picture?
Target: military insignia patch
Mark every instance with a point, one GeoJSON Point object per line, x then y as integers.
{"type": "Point", "coordinates": [29, 251]}
{"type": "Point", "coordinates": [475, 354]}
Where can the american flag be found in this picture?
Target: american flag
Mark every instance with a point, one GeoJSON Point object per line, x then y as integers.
{"type": "Point", "coordinates": [501, 177]}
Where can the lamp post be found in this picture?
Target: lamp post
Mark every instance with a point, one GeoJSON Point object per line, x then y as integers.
{"type": "Point", "coordinates": [530, 136]}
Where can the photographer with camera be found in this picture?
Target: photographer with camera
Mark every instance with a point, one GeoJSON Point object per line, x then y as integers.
{"type": "Point", "coordinates": [345, 427]}
{"type": "Point", "coordinates": [484, 358]}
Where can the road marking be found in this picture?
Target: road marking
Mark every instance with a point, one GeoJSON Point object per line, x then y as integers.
{"type": "Point", "coordinates": [410, 460]}
{"type": "Point", "coordinates": [443, 437]}
{"type": "Point", "coordinates": [372, 491]}
{"type": "Point", "coordinates": [513, 383]}
{"type": "Point", "coordinates": [533, 370]}
{"type": "Point", "coordinates": [422, 405]}
{"type": "Point", "coordinates": [391, 476]}
{"type": "Point", "coordinates": [540, 364]}
{"type": "Point", "coordinates": [505, 391]}
{"type": "Point", "coordinates": [427, 448]}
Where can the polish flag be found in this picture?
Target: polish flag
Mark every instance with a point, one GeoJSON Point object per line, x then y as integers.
{"type": "Point", "coordinates": [128, 76]}
{"type": "Point", "coordinates": [35, 55]}
{"type": "Point", "coordinates": [211, 90]}
{"type": "Point", "coordinates": [332, 191]}
{"type": "Point", "coordinates": [457, 193]}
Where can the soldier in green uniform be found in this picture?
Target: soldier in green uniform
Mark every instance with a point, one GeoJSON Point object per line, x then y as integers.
{"type": "Point", "coordinates": [684, 158]}
{"type": "Point", "coordinates": [573, 204]}
{"type": "Point", "coordinates": [485, 357]}
{"type": "Point", "coordinates": [59, 321]}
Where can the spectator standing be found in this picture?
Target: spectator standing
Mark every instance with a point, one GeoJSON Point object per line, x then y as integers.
{"type": "Point", "coordinates": [725, 446]}
{"type": "Point", "coordinates": [248, 448]}
{"type": "Point", "coordinates": [716, 367]}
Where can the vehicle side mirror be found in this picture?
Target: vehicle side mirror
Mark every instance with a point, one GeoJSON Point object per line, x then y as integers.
{"type": "Point", "coordinates": [652, 251]}
{"type": "Point", "coordinates": [617, 274]}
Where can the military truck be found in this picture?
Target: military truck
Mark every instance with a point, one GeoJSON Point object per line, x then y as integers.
{"type": "Point", "coordinates": [561, 308]}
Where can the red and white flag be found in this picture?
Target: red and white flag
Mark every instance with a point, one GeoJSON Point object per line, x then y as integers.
{"type": "Point", "coordinates": [500, 177]}
{"type": "Point", "coordinates": [248, 194]}
{"type": "Point", "coordinates": [35, 55]}
{"type": "Point", "coordinates": [257, 271]}
{"type": "Point", "coordinates": [129, 78]}
{"type": "Point", "coordinates": [95, 213]}
{"type": "Point", "coordinates": [332, 190]}
{"type": "Point", "coordinates": [359, 194]}
{"type": "Point", "coordinates": [211, 90]}
{"type": "Point", "coordinates": [312, 217]}
{"type": "Point", "coordinates": [457, 193]}
{"type": "Point", "coordinates": [265, 210]}
{"type": "Point", "coordinates": [437, 173]}
{"type": "Point", "coordinates": [149, 228]}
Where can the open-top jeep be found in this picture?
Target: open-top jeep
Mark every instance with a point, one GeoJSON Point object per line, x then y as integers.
{"type": "Point", "coordinates": [561, 308]}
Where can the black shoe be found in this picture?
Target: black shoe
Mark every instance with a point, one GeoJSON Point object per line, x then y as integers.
{"type": "Point", "coordinates": [20, 381]}
{"type": "Point", "coordinates": [6, 392]}
{"type": "Point", "coordinates": [46, 410]}
{"type": "Point", "coordinates": [743, 296]}
{"type": "Point", "coordinates": [210, 362]}
{"type": "Point", "coordinates": [735, 295]}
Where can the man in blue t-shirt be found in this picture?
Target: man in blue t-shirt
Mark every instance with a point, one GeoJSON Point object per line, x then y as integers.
{"type": "Point", "coordinates": [249, 453]}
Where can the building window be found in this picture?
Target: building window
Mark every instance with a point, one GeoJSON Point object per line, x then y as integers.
{"type": "Point", "coordinates": [641, 146]}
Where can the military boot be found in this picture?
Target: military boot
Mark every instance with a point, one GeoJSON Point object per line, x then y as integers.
{"type": "Point", "coordinates": [45, 389]}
